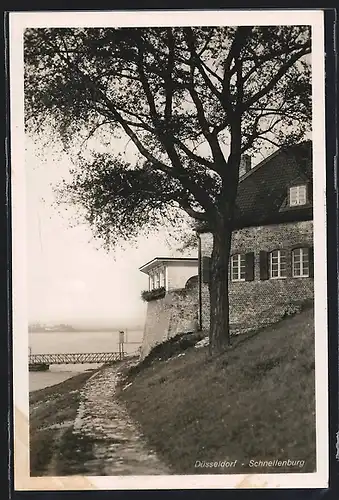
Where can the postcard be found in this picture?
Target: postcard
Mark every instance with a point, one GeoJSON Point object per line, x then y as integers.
{"type": "Point", "coordinates": [169, 261]}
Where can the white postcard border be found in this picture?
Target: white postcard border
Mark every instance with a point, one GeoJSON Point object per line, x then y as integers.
{"type": "Point", "coordinates": [18, 22]}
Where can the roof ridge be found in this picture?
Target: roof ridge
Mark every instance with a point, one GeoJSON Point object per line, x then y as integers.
{"type": "Point", "coordinates": [272, 155]}
{"type": "Point", "coordinates": [260, 164]}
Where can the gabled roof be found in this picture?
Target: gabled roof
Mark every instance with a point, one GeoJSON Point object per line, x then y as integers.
{"type": "Point", "coordinates": [263, 191]}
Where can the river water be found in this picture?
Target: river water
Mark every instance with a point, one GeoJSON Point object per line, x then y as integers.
{"type": "Point", "coordinates": [75, 342]}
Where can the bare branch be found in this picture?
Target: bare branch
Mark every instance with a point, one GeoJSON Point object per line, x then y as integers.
{"type": "Point", "coordinates": [260, 60]}
{"type": "Point", "coordinates": [262, 134]}
{"type": "Point", "coordinates": [193, 156]}
{"type": "Point", "coordinates": [146, 86]}
{"type": "Point", "coordinates": [92, 132]}
{"type": "Point", "coordinates": [280, 73]}
{"type": "Point", "coordinates": [240, 38]}
{"type": "Point", "coordinates": [209, 70]}
{"type": "Point", "coordinates": [169, 77]}
{"type": "Point", "coordinates": [197, 62]}
{"type": "Point", "coordinates": [184, 204]}
{"type": "Point", "coordinates": [206, 127]}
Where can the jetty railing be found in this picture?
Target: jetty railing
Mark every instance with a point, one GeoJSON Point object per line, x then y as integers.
{"type": "Point", "coordinates": [75, 358]}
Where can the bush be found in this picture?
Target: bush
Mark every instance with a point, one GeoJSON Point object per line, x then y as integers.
{"type": "Point", "coordinates": [156, 293]}
{"type": "Point", "coordinates": [292, 309]}
{"type": "Point", "coordinates": [167, 349]}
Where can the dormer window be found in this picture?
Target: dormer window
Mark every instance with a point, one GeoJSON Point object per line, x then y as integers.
{"type": "Point", "coordinates": [298, 195]}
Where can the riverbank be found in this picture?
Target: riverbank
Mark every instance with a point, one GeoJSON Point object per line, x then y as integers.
{"type": "Point", "coordinates": [41, 380]}
{"type": "Point", "coordinates": [79, 428]}
{"type": "Point", "coordinates": [52, 412]}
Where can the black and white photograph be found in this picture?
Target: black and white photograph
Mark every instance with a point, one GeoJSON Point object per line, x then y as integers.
{"type": "Point", "coordinates": [169, 249]}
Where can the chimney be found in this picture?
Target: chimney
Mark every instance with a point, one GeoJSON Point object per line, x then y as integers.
{"type": "Point", "coordinates": [245, 165]}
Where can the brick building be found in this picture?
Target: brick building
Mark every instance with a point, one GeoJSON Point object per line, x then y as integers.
{"type": "Point", "coordinates": [271, 263]}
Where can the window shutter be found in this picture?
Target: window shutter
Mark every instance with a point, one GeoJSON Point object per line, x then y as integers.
{"type": "Point", "coordinates": [289, 263]}
{"type": "Point", "coordinates": [263, 260]}
{"type": "Point", "coordinates": [206, 264]}
{"type": "Point", "coordinates": [311, 261]}
{"type": "Point", "coordinates": [249, 269]}
{"type": "Point", "coordinates": [309, 187]}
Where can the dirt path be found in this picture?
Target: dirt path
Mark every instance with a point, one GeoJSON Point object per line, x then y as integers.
{"type": "Point", "coordinates": [118, 447]}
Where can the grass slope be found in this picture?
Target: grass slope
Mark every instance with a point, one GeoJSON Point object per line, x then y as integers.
{"type": "Point", "coordinates": [52, 413]}
{"type": "Point", "coordinates": [254, 402]}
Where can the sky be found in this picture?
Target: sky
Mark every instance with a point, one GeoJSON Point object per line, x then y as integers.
{"type": "Point", "coordinates": [71, 278]}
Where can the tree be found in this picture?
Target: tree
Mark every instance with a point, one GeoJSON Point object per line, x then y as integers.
{"type": "Point", "coordinates": [192, 101]}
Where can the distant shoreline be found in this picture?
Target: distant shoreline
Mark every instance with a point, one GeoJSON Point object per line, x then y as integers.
{"type": "Point", "coordinates": [84, 330]}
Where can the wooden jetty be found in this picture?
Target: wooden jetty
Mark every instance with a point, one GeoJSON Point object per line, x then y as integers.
{"type": "Point", "coordinates": [38, 367]}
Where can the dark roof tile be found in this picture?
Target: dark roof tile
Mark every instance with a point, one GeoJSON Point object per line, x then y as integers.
{"type": "Point", "coordinates": [262, 192]}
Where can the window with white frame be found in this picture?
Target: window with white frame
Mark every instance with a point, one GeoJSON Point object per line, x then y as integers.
{"type": "Point", "coordinates": [161, 278]}
{"type": "Point", "coordinates": [300, 263]}
{"type": "Point", "coordinates": [277, 263]}
{"type": "Point", "coordinates": [151, 282]}
{"type": "Point", "coordinates": [238, 267]}
{"type": "Point", "coordinates": [156, 280]}
{"type": "Point", "coordinates": [297, 195]}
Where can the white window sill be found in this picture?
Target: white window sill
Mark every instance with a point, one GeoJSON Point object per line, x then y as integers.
{"type": "Point", "coordinates": [238, 281]}
{"type": "Point", "coordinates": [302, 276]}
{"type": "Point", "coordinates": [277, 277]}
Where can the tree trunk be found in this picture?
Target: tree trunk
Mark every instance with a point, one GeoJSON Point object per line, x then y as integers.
{"type": "Point", "coordinates": [219, 300]}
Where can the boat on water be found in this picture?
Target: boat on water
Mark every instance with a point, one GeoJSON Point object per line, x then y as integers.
{"type": "Point", "coordinates": [38, 367]}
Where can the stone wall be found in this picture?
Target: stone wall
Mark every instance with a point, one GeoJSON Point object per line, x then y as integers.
{"type": "Point", "coordinates": [255, 301]}
{"type": "Point", "coordinates": [175, 313]}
